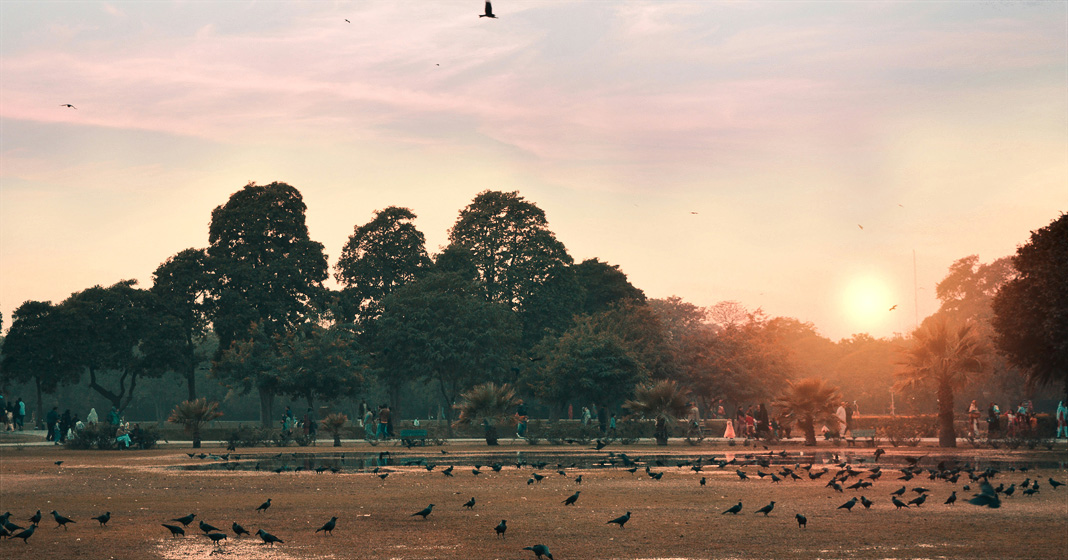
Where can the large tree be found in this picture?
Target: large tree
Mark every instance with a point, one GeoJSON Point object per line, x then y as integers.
{"type": "Point", "coordinates": [320, 362]}
{"type": "Point", "coordinates": [380, 255]}
{"type": "Point", "coordinates": [604, 285]}
{"type": "Point", "coordinates": [34, 350]}
{"type": "Point", "coordinates": [808, 402]}
{"type": "Point", "coordinates": [181, 286]}
{"type": "Point", "coordinates": [1031, 311]}
{"type": "Point", "coordinates": [266, 271]}
{"type": "Point", "coordinates": [944, 355]}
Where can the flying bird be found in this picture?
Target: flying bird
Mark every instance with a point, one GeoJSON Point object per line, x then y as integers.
{"type": "Point", "coordinates": [860, 226]}
{"type": "Point", "coordinates": [489, 13]}
{"type": "Point", "coordinates": [538, 549]}
{"type": "Point", "coordinates": [68, 105]}
{"type": "Point", "coordinates": [501, 528]}
{"type": "Point", "coordinates": [621, 520]}
{"type": "Point", "coordinates": [328, 527]}
{"type": "Point", "coordinates": [987, 497]}
{"type": "Point", "coordinates": [347, 21]}
{"type": "Point", "coordinates": [893, 307]}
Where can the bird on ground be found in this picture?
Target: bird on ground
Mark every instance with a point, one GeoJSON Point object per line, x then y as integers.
{"type": "Point", "coordinates": [538, 549]}
{"type": "Point", "coordinates": [951, 499]}
{"type": "Point", "coordinates": [448, 471]}
{"type": "Point", "coordinates": [103, 519]}
{"type": "Point", "coordinates": [328, 527]}
{"type": "Point", "coordinates": [849, 505]}
{"type": "Point", "coordinates": [424, 512]}
{"type": "Point", "coordinates": [766, 509]}
{"type": "Point", "coordinates": [537, 477]}
{"type": "Point", "coordinates": [470, 504]}
{"type": "Point", "coordinates": [572, 498]}
{"type": "Point", "coordinates": [866, 502]}
{"type": "Point", "coordinates": [733, 510]}
{"type": "Point", "coordinates": [919, 500]}
{"type": "Point", "coordinates": [802, 521]}
{"type": "Point", "coordinates": [185, 520]}
{"type": "Point", "coordinates": [383, 475]}
{"type": "Point", "coordinates": [878, 452]}
{"type": "Point", "coordinates": [489, 13]}
{"type": "Point", "coordinates": [656, 475]}
{"type": "Point", "coordinates": [264, 505]}
{"type": "Point", "coordinates": [239, 530]}
{"type": "Point", "coordinates": [703, 481]}
{"type": "Point", "coordinates": [621, 520]}
{"type": "Point", "coordinates": [898, 503]}
{"type": "Point", "coordinates": [25, 534]}
{"type": "Point", "coordinates": [578, 480]}
{"type": "Point", "coordinates": [36, 518]}
{"type": "Point", "coordinates": [987, 497]}
{"type": "Point", "coordinates": [268, 538]}
{"type": "Point", "coordinates": [1054, 483]}
{"type": "Point", "coordinates": [60, 520]}
{"type": "Point", "coordinates": [4, 533]}
{"type": "Point", "coordinates": [175, 530]}
{"type": "Point", "coordinates": [741, 474]}
{"type": "Point", "coordinates": [921, 490]}
{"type": "Point", "coordinates": [501, 528]}
{"type": "Point", "coordinates": [1010, 490]}
{"type": "Point", "coordinates": [68, 105]}
{"type": "Point", "coordinates": [898, 492]}
{"type": "Point", "coordinates": [216, 537]}
{"type": "Point", "coordinates": [208, 527]}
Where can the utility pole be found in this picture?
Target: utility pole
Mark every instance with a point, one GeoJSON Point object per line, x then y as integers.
{"type": "Point", "coordinates": [915, 294]}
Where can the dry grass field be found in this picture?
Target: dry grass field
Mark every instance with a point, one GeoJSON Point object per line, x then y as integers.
{"type": "Point", "coordinates": [674, 517]}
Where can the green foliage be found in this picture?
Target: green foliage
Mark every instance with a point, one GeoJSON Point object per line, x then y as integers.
{"type": "Point", "coordinates": [248, 436]}
{"type": "Point", "coordinates": [181, 287]}
{"type": "Point", "coordinates": [334, 424]}
{"type": "Point", "coordinates": [664, 401]}
{"type": "Point", "coordinates": [34, 349]}
{"type": "Point", "coordinates": [193, 415]}
{"type": "Point", "coordinates": [810, 401]}
{"type": "Point", "coordinates": [487, 401]}
{"type": "Point", "coordinates": [604, 285]}
{"type": "Point", "coordinates": [94, 436]}
{"type": "Point", "coordinates": [318, 362]}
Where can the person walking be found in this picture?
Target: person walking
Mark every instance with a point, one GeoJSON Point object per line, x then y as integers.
{"type": "Point", "coordinates": [973, 420]}
{"type": "Point", "coordinates": [763, 420]}
{"type": "Point", "coordinates": [383, 422]}
{"type": "Point", "coordinates": [1062, 420]}
{"type": "Point", "coordinates": [369, 423]}
{"type": "Point", "coordinates": [841, 414]}
{"type": "Point", "coordinates": [20, 414]}
{"type": "Point", "coordinates": [585, 416]}
{"type": "Point", "coordinates": [993, 421]}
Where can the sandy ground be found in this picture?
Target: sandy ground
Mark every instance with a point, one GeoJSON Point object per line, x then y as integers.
{"type": "Point", "coordinates": [674, 518]}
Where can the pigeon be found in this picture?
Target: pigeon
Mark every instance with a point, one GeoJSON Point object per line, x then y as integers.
{"type": "Point", "coordinates": [175, 530]}
{"type": "Point", "coordinates": [733, 510]}
{"type": "Point", "coordinates": [802, 521]}
{"type": "Point", "coordinates": [424, 512]}
{"type": "Point", "coordinates": [328, 527]}
{"type": "Point", "coordinates": [26, 534]}
{"type": "Point", "coordinates": [269, 538]}
{"type": "Point", "coordinates": [621, 520]}
{"type": "Point", "coordinates": [470, 504]}
{"type": "Point", "coordinates": [501, 528]}
{"type": "Point", "coordinates": [539, 549]}
{"type": "Point", "coordinates": [216, 537]}
{"type": "Point", "coordinates": [103, 519]}
{"type": "Point", "coordinates": [185, 520]}
{"type": "Point", "coordinates": [489, 14]}
{"type": "Point", "coordinates": [238, 530]}
{"type": "Point", "coordinates": [766, 509]}
{"type": "Point", "coordinates": [572, 499]}
{"type": "Point", "coordinates": [264, 505]}
{"type": "Point", "coordinates": [208, 527]}
{"type": "Point", "coordinates": [848, 506]}
{"type": "Point", "coordinates": [62, 521]}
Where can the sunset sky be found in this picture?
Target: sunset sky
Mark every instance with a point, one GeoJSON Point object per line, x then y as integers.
{"type": "Point", "coordinates": [787, 155]}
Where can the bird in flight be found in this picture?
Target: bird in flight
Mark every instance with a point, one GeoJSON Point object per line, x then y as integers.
{"type": "Point", "coordinates": [893, 307]}
{"type": "Point", "coordinates": [489, 13]}
{"type": "Point", "coordinates": [347, 21]}
{"type": "Point", "coordinates": [68, 105]}
{"type": "Point", "coordinates": [860, 226]}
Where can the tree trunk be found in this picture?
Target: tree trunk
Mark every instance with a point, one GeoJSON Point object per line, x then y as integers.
{"type": "Point", "coordinates": [191, 382]}
{"type": "Point", "coordinates": [196, 438]}
{"type": "Point", "coordinates": [809, 428]}
{"type": "Point", "coordinates": [491, 433]}
{"type": "Point", "coordinates": [337, 439]}
{"type": "Point", "coordinates": [266, 407]}
{"type": "Point", "coordinates": [661, 432]}
{"type": "Point", "coordinates": [947, 435]}
{"type": "Point", "coordinates": [40, 402]}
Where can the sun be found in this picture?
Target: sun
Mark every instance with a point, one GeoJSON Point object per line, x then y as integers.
{"type": "Point", "coordinates": [867, 301]}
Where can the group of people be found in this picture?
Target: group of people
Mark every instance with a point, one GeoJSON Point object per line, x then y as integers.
{"type": "Point", "coordinates": [14, 414]}
{"type": "Point", "coordinates": [308, 423]}
{"type": "Point", "coordinates": [63, 427]}
{"type": "Point", "coordinates": [377, 426]}
{"type": "Point", "coordinates": [751, 422]}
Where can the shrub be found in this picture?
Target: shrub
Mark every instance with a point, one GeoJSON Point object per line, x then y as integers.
{"type": "Point", "coordinates": [95, 436]}
{"type": "Point", "coordinates": [247, 436]}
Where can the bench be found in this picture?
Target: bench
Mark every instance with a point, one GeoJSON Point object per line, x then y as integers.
{"type": "Point", "coordinates": [862, 434]}
{"type": "Point", "coordinates": [411, 437]}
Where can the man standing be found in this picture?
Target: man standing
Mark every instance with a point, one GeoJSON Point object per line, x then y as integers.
{"type": "Point", "coordinates": [50, 420]}
{"type": "Point", "coordinates": [20, 414]}
{"type": "Point", "coordinates": [384, 418]}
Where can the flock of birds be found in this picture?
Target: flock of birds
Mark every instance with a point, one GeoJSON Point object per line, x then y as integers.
{"type": "Point", "coordinates": [847, 476]}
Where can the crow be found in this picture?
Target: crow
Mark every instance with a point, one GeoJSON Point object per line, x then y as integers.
{"type": "Point", "coordinates": [866, 502]}
{"type": "Point", "coordinates": [579, 479]}
{"type": "Point", "coordinates": [703, 481]}
{"type": "Point", "coordinates": [1055, 483]}
{"type": "Point", "coordinates": [489, 14]}
{"type": "Point", "coordinates": [383, 475]}
{"type": "Point", "coordinates": [26, 534]}
{"type": "Point", "coordinates": [919, 500]}
{"type": "Point", "coordinates": [264, 505]}
{"type": "Point", "coordinates": [537, 477]}
{"type": "Point", "coordinates": [1010, 490]}
{"type": "Point", "coordinates": [501, 528]}
{"type": "Point", "coordinates": [952, 498]}
{"type": "Point", "coordinates": [898, 492]}
{"type": "Point", "coordinates": [448, 471]}
{"type": "Point", "coordinates": [572, 499]}
{"type": "Point", "coordinates": [879, 452]}
{"type": "Point", "coordinates": [62, 521]}
{"type": "Point", "coordinates": [175, 530]}
{"type": "Point", "coordinates": [36, 518]}
{"type": "Point", "coordinates": [656, 475]}
{"type": "Point", "coordinates": [208, 527]}
{"type": "Point", "coordinates": [733, 510]}
{"type": "Point", "coordinates": [987, 497]}
{"type": "Point", "coordinates": [269, 538]}
{"type": "Point", "coordinates": [185, 520]}
{"type": "Point", "coordinates": [4, 532]}
{"type": "Point", "coordinates": [103, 519]}
{"type": "Point", "coordinates": [766, 509]}
{"type": "Point", "coordinates": [849, 505]}
{"type": "Point", "coordinates": [470, 504]}
{"type": "Point", "coordinates": [424, 512]}
{"type": "Point", "coordinates": [539, 549]}
{"type": "Point", "coordinates": [621, 520]}
{"type": "Point", "coordinates": [802, 521]}
{"type": "Point", "coordinates": [328, 527]}
{"type": "Point", "coordinates": [216, 537]}
{"type": "Point", "coordinates": [920, 490]}
{"type": "Point", "coordinates": [239, 530]}
{"type": "Point", "coordinates": [898, 503]}
{"type": "Point", "coordinates": [741, 474]}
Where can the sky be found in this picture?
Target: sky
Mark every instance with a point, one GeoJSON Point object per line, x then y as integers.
{"type": "Point", "coordinates": [817, 160]}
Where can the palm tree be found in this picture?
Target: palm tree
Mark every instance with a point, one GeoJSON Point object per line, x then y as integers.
{"type": "Point", "coordinates": [194, 414]}
{"type": "Point", "coordinates": [809, 401]}
{"type": "Point", "coordinates": [664, 400]}
{"type": "Point", "coordinates": [334, 423]}
{"type": "Point", "coordinates": [944, 356]}
{"type": "Point", "coordinates": [490, 403]}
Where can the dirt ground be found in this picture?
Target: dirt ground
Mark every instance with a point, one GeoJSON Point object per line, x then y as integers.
{"type": "Point", "coordinates": [673, 518]}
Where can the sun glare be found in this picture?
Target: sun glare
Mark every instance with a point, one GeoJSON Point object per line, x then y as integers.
{"type": "Point", "coordinates": [867, 302]}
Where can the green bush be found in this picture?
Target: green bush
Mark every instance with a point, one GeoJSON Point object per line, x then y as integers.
{"type": "Point", "coordinates": [247, 436]}
{"type": "Point", "coordinates": [94, 436]}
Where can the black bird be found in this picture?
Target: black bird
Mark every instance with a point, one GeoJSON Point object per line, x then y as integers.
{"type": "Point", "coordinates": [103, 519]}
{"type": "Point", "coordinates": [383, 475]}
{"type": "Point", "coordinates": [898, 492]}
{"type": "Point", "coordinates": [879, 452]}
{"type": "Point", "coordinates": [470, 504]}
{"type": "Point", "coordinates": [328, 527]}
{"type": "Point", "coordinates": [62, 521]}
{"type": "Point", "coordinates": [264, 505]}
{"type": "Point", "coordinates": [703, 481]}
{"type": "Point", "coordinates": [621, 520]}
{"type": "Point", "coordinates": [175, 530]}
{"type": "Point", "coordinates": [36, 518]}
{"type": "Point", "coordinates": [501, 528]}
{"type": "Point", "coordinates": [424, 512]}
{"type": "Point", "coordinates": [238, 530]}
{"type": "Point", "coordinates": [733, 510]}
{"type": "Point", "coordinates": [4, 532]}
{"type": "Point", "coordinates": [919, 500]}
{"type": "Point", "coordinates": [185, 520]}
{"type": "Point", "coordinates": [572, 498]}
{"type": "Point", "coordinates": [766, 509]}
{"type": "Point", "coordinates": [538, 549]}
{"type": "Point", "coordinates": [741, 474]}
{"type": "Point", "coordinates": [207, 528]}
{"type": "Point", "coordinates": [216, 537]}
{"type": "Point", "coordinates": [952, 498]}
{"type": "Point", "coordinates": [269, 538]}
{"type": "Point", "coordinates": [26, 534]}
{"type": "Point", "coordinates": [578, 480]}
{"type": "Point", "coordinates": [898, 503]}
{"type": "Point", "coordinates": [1055, 483]}
{"type": "Point", "coordinates": [987, 497]}
{"type": "Point", "coordinates": [537, 477]}
{"type": "Point", "coordinates": [802, 521]}
{"type": "Point", "coordinates": [448, 471]}
{"type": "Point", "coordinates": [849, 505]}
{"type": "Point", "coordinates": [73, 107]}
{"type": "Point", "coordinates": [489, 14]}
{"type": "Point", "coordinates": [866, 502]}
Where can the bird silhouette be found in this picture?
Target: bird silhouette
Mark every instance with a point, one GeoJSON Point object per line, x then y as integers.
{"type": "Point", "coordinates": [239, 530]}
{"type": "Point", "coordinates": [987, 497]}
{"type": "Point", "coordinates": [264, 505]}
{"type": "Point", "coordinates": [68, 105]}
{"type": "Point", "coordinates": [489, 14]}
{"type": "Point", "coordinates": [898, 492]}
{"type": "Point", "coordinates": [866, 502]}
{"type": "Point", "coordinates": [951, 499]}
{"type": "Point", "coordinates": [578, 480]}
{"type": "Point", "coordinates": [898, 503]}
{"type": "Point", "coordinates": [621, 520]}
{"type": "Point", "coordinates": [27, 533]}
{"type": "Point", "coordinates": [703, 481]}
{"type": "Point", "coordinates": [733, 510]}
{"type": "Point", "coordinates": [860, 226]}
{"type": "Point", "coordinates": [424, 512]}
{"type": "Point", "coordinates": [347, 21]}
{"type": "Point", "coordinates": [208, 527]}
{"type": "Point", "coordinates": [470, 504]}
{"type": "Point", "coordinates": [175, 530]}
{"type": "Point", "coordinates": [216, 537]}
{"type": "Point", "coordinates": [185, 520]}
{"type": "Point", "coordinates": [893, 307]}
{"type": "Point", "coordinates": [268, 538]}
{"type": "Point", "coordinates": [537, 477]}
{"type": "Point", "coordinates": [538, 549]}
{"type": "Point", "coordinates": [103, 519]}
{"type": "Point", "coordinates": [766, 509]}
{"type": "Point", "coordinates": [328, 527]}
{"type": "Point", "coordinates": [61, 521]}
{"type": "Point", "coordinates": [1054, 483]}
{"type": "Point", "coordinates": [36, 518]}
{"type": "Point", "coordinates": [918, 500]}
{"type": "Point", "coordinates": [572, 498]}
{"type": "Point", "coordinates": [802, 521]}
{"type": "Point", "coordinates": [501, 528]}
